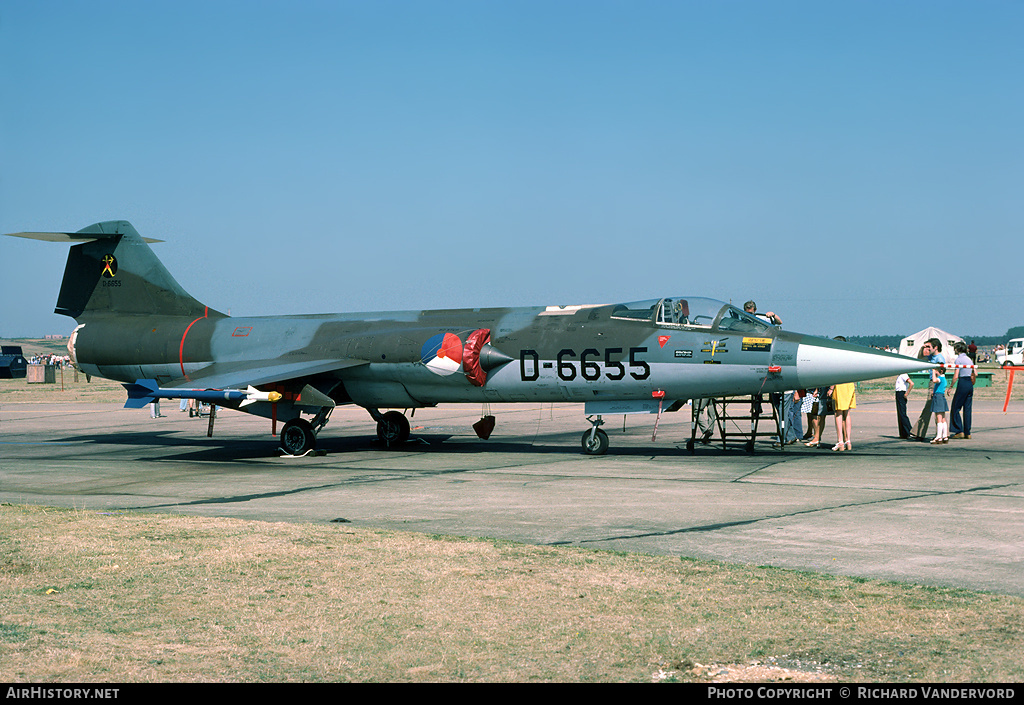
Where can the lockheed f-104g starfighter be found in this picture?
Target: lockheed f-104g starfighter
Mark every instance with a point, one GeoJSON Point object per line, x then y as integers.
{"type": "Point", "coordinates": [137, 325]}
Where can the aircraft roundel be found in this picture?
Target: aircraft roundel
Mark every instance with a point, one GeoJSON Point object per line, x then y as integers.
{"type": "Point", "coordinates": [442, 354]}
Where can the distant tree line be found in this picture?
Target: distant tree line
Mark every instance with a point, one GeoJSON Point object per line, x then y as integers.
{"type": "Point", "coordinates": [881, 341]}
{"type": "Point", "coordinates": [876, 341]}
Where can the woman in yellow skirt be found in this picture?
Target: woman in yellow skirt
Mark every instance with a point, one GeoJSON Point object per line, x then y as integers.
{"type": "Point", "coordinates": [844, 399]}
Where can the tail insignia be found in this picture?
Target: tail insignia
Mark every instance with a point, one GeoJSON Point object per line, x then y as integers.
{"type": "Point", "coordinates": [109, 266]}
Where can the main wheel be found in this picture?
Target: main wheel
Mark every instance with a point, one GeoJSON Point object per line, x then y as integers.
{"type": "Point", "coordinates": [297, 437]}
{"type": "Point", "coordinates": [596, 445]}
{"type": "Point", "coordinates": [393, 428]}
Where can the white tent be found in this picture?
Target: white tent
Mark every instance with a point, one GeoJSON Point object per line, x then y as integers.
{"type": "Point", "coordinates": [911, 345]}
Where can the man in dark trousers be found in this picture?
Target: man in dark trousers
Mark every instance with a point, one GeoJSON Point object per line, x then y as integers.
{"type": "Point", "coordinates": [904, 385]}
{"type": "Point", "coordinates": [963, 399]}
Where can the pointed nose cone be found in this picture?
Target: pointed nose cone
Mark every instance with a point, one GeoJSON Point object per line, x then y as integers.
{"type": "Point", "coordinates": [491, 357]}
{"type": "Point", "coordinates": [821, 362]}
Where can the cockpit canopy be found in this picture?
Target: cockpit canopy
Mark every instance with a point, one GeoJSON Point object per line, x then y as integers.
{"type": "Point", "coordinates": [692, 312]}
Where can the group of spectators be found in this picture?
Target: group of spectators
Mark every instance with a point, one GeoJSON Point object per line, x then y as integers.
{"type": "Point", "coordinates": [836, 401]}
{"type": "Point", "coordinates": [50, 359]}
{"type": "Point", "coordinates": [840, 399]}
{"type": "Point", "coordinates": [962, 392]}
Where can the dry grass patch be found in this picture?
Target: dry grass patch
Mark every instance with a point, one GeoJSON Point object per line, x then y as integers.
{"type": "Point", "coordinates": [130, 597]}
{"type": "Point", "coordinates": [96, 391]}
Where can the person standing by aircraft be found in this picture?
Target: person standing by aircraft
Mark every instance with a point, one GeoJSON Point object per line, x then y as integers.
{"type": "Point", "coordinates": [706, 418]}
{"type": "Point", "coordinates": [794, 419]}
{"type": "Point", "coordinates": [904, 385]}
{"type": "Point", "coordinates": [963, 398]}
{"type": "Point", "coordinates": [921, 427]}
{"type": "Point", "coordinates": [939, 404]}
{"type": "Point", "coordinates": [821, 408]}
{"type": "Point", "coordinates": [809, 406]}
{"type": "Point", "coordinates": [844, 400]}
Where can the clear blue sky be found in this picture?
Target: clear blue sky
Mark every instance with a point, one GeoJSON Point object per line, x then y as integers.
{"type": "Point", "coordinates": [856, 167]}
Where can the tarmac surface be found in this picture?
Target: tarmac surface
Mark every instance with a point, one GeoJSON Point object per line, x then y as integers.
{"type": "Point", "coordinates": [950, 515]}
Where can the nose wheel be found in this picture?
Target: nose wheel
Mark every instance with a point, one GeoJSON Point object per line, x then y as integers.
{"type": "Point", "coordinates": [595, 441]}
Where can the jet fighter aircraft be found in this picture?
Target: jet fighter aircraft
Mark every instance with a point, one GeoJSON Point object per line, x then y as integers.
{"type": "Point", "coordinates": [138, 326]}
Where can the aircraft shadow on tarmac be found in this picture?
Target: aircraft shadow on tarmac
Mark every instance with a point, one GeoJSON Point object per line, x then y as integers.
{"type": "Point", "coordinates": [202, 449]}
{"type": "Point", "coordinates": [175, 447]}
{"type": "Point", "coordinates": [197, 449]}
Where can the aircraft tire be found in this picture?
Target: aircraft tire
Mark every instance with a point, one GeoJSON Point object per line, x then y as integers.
{"type": "Point", "coordinates": [297, 437]}
{"type": "Point", "coordinates": [596, 446]}
{"type": "Point", "coordinates": [393, 428]}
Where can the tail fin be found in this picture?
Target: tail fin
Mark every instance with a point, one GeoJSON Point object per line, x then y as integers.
{"type": "Point", "coordinates": [113, 270]}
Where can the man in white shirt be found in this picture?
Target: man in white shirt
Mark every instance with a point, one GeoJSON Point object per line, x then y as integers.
{"type": "Point", "coordinates": [904, 385]}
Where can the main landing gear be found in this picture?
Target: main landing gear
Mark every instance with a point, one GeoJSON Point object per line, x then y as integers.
{"type": "Point", "coordinates": [392, 427]}
{"type": "Point", "coordinates": [595, 441]}
{"type": "Point", "coordinates": [299, 436]}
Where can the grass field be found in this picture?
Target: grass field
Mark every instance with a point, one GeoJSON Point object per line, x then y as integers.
{"type": "Point", "coordinates": [88, 596]}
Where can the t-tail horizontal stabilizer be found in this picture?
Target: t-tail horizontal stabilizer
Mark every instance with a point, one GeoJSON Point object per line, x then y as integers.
{"type": "Point", "coordinates": [146, 391]}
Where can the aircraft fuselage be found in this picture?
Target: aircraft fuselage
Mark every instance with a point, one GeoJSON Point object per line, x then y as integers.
{"type": "Point", "coordinates": [583, 354]}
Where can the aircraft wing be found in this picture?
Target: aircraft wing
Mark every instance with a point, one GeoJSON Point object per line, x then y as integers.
{"type": "Point", "coordinates": [239, 375]}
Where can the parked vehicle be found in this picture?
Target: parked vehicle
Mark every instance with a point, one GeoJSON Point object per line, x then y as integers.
{"type": "Point", "coordinates": [1013, 354]}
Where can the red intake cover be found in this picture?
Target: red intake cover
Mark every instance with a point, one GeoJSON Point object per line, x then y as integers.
{"type": "Point", "coordinates": [471, 356]}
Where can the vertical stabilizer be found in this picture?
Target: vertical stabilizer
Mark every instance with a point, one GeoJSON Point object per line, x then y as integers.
{"type": "Point", "coordinates": [113, 270]}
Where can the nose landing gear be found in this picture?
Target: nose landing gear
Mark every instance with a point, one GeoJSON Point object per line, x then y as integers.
{"type": "Point", "coordinates": [595, 441]}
